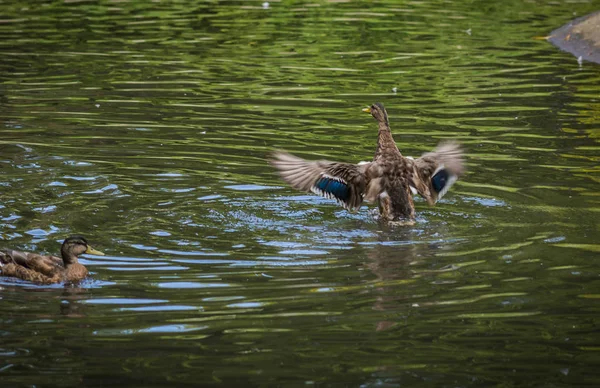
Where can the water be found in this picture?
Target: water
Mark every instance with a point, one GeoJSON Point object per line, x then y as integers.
{"type": "Point", "coordinates": [146, 127]}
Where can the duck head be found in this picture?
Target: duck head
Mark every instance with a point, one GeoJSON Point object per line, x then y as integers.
{"type": "Point", "coordinates": [74, 246]}
{"type": "Point", "coordinates": [378, 112]}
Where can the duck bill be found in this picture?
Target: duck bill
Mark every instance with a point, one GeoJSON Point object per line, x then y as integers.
{"type": "Point", "coordinates": [92, 251]}
{"type": "Point", "coordinates": [367, 110]}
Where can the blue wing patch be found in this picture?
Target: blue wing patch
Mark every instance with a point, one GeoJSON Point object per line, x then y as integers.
{"type": "Point", "coordinates": [439, 180]}
{"type": "Point", "coordinates": [332, 187]}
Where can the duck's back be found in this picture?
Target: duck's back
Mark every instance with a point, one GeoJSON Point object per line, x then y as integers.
{"type": "Point", "coordinates": [396, 200]}
{"type": "Point", "coordinates": [31, 266]}
{"type": "Point", "coordinates": [46, 264]}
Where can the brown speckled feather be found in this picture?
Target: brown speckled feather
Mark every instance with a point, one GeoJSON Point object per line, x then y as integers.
{"type": "Point", "coordinates": [47, 265]}
{"type": "Point", "coordinates": [17, 271]}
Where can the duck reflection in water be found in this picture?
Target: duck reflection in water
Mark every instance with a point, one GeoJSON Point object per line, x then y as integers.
{"type": "Point", "coordinates": [395, 267]}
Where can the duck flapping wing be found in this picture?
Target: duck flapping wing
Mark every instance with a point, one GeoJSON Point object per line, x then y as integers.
{"type": "Point", "coordinates": [344, 182]}
{"type": "Point", "coordinates": [436, 171]}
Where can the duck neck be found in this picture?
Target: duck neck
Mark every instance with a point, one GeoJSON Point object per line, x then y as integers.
{"type": "Point", "coordinates": [68, 257]}
{"type": "Point", "coordinates": [385, 140]}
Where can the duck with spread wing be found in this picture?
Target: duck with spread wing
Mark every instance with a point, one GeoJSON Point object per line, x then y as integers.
{"type": "Point", "coordinates": [391, 179]}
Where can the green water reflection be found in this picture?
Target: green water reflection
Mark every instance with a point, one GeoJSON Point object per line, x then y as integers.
{"type": "Point", "coordinates": [145, 127]}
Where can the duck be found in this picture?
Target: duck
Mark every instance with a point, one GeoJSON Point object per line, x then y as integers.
{"type": "Point", "coordinates": [47, 269]}
{"type": "Point", "coordinates": [390, 179]}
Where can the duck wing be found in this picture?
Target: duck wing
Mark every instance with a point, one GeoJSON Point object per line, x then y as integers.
{"type": "Point", "coordinates": [344, 182]}
{"type": "Point", "coordinates": [436, 171]}
{"type": "Point", "coordinates": [18, 271]}
{"type": "Point", "coordinates": [46, 265]}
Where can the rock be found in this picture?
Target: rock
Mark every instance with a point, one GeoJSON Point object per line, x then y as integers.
{"type": "Point", "coordinates": [580, 37]}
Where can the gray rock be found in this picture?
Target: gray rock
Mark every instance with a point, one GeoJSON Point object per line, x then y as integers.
{"type": "Point", "coordinates": [580, 37]}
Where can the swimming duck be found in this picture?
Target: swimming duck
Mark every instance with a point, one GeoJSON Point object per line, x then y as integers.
{"type": "Point", "coordinates": [48, 269]}
{"type": "Point", "coordinates": [390, 179]}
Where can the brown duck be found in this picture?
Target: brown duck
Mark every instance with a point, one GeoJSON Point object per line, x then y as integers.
{"type": "Point", "coordinates": [391, 179]}
{"type": "Point", "coordinates": [48, 269]}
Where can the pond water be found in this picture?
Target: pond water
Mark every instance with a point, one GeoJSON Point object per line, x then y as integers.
{"type": "Point", "coordinates": [145, 126]}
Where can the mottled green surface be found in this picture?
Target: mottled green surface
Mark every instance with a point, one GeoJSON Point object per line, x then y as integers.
{"type": "Point", "coordinates": [145, 126]}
